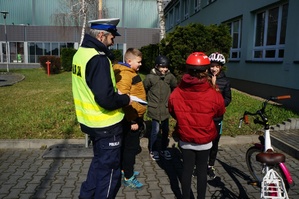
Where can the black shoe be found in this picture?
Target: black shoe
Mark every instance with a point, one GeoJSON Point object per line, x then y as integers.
{"type": "Point", "coordinates": [211, 173]}
{"type": "Point", "coordinates": [166, 155]}
{"type": "Point", "coordinates": [155, 155]}
{"type": "Point", "coordinates": [194, 174]}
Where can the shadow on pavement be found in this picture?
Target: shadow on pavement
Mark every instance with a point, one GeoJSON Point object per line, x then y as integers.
{"type": "Point", "coordinates": [66, 150]}
{"type": "Point", "coordinates": [174, 167]}
{"type": "Point", "coordinates": [225, 193]}
{"type": "Point", "coordinates": [56, 156]}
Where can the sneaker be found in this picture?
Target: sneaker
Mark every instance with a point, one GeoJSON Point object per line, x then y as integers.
{"type": "Point", "coordinates": [154, 155]}
{"type": "Point", "coordinates": [136, 173]}
{"type": "Point", "coordinates": [133, 183]}
{"type": "Point", "coordinates": [211, 173]}
{"type": "Point", "coordinates": [166, 154]}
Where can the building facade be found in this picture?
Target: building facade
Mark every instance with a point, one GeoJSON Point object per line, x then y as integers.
{"type": "Point", "coordinates": [264, 57]}
{"type": "Point", "coordinates": [33, 28]}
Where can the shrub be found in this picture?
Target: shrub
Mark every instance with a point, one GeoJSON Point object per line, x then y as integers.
{"type": "Point", "coordinates": [67, 58]}
{"type": "Point", "coordinates": [118, 55]}
{"type": "Point", "coordinates": [149, 54]}
{"type": "Point", "coordinates": [180, 43]}
{"type": "Point", "coordinates": [55, 66]}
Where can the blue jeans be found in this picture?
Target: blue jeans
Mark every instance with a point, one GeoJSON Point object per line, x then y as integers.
{"type": "Point", "coordinates": [156, 127]}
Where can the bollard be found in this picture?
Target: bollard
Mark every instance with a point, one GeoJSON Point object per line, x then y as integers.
{"type": "Point", "coordinates": [48, 67]}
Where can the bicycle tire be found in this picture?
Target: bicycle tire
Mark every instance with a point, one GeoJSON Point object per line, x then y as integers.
{"type": "Point", "coordinates": [255, 167]}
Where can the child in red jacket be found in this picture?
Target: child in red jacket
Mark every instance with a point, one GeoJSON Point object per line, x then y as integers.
{"type": "Point", "coordinates": [194, 104]}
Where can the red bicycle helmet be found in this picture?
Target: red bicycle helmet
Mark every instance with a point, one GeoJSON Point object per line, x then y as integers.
{"type": "Point", "coordinates": [197, 61]}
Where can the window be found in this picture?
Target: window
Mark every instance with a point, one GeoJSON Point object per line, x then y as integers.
{"type": "Point", "coordinates": [62, 45]}
{"type": "Point", "coordinates": [3, 55]}
{"type": "Point", "coordinates": [177, 13]}
{"type": "Point", "coordinates": [197, 5]}
{"type": "Point", "coordinates": [16, 51]}
{"type": "Point", "coordinates": [166, 21]}
{"type": "Point", "coordinates": [170, 16]}
{"type": "Point", "coordinates": [210, 1]}
{"type": "Point", "coordinates": [186, 8]}
{"type": "Point", "coordinates": [270, 31]}
{"type": "Point", "coordinates": [55, 50]}
{"type": "Point", "coordinates": [13, 51]}
{"type": "Point", "coordinates": [70, 45]}
{"type": "Point", "coordinates": [117, 47]}
{"type": "Point", "coordinates": [47, 49]}
{"type": "Point", "coordinates": [235, 31]}
{"type": "Point", "coordinates": [40, 49]}
{"type": "Point", "coordinates": [32, 52]}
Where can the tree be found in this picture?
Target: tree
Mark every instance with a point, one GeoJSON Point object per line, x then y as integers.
{"type": "Point", "coordinates": [83, 10]}
{"type": "Point", "coordinates": [161, 18]}
{"type": "Point", "coordinates": [76, 12]}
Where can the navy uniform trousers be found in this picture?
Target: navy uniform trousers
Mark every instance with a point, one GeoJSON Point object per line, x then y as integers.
{"type": "Point", "coordinates": [104, 176]}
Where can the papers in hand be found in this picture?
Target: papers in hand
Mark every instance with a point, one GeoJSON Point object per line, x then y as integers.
{"type": "Point", "coordinates": [136, 99]}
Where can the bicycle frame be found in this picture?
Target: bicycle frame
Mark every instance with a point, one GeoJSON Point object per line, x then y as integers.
{"type": "Point", "coordinates": [286, 173]}
{"type": "Point", "coordinates": [267, 137]}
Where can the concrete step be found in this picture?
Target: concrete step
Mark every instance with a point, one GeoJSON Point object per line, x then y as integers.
{"type": "Point", "coordinates": [291, 123]}
{"type": "Point", "coordinates": [287, 141]}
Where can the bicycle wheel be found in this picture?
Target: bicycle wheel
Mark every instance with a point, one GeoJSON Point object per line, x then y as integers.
{"type": "Point", "coordinates": [256, 168]}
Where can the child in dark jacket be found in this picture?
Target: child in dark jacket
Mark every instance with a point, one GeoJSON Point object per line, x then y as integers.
{"type": "Point", "coordinates": [222, 84]}
{"type": "Point", "coordinates": [158, 85]}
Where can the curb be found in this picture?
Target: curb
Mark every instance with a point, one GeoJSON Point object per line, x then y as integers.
{"type": "Point", "coordinates": [36, 143]}
{"type": "Point", "coordinates": [45, 143]}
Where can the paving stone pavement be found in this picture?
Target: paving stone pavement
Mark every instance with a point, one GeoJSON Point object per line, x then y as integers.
{"type": "Point", "coordinates": [28, 170]}
{"type": "Point", "coordinates": [26, 173]}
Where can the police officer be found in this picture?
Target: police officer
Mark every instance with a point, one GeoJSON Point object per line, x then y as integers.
{"type": "Point", "coordinates": [99, 108]}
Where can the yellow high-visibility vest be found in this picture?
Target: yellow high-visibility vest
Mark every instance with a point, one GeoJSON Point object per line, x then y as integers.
{"type": "Point", "coordinates": [88, 111]}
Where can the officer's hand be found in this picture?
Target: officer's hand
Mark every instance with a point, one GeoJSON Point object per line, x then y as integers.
{"type": "Point", "coordinates": [119, 92]}
{"type": "Point", "coordinates": [130, 100]}
{"type": "Point", "coordinates": [134, 127]}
